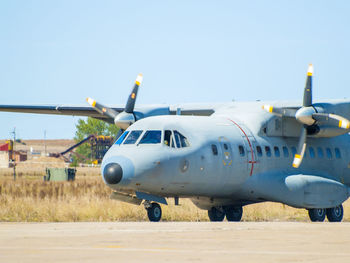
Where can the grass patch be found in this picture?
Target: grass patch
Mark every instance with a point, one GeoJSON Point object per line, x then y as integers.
{"type": "Point", "coordinates": [30, 199]}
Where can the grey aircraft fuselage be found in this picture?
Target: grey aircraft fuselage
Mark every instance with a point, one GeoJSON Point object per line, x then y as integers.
{"type": "Point", "coordinates": [248, 165]}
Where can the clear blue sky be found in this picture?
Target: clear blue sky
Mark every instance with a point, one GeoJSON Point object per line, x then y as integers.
{"type": "Point", "coordinates": [60, 52]}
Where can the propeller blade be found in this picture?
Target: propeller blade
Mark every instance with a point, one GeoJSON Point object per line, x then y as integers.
{"type": "Point", "coordinates": [130, 104]}
{"type": "Point", "coordinates": [332, 120]}
{"type": "Point", "coordinates": [102, 109]}
{"type": "Point", "coordinates": [285, 112]}
{"type": "Point", "coordinates": [307, 101]}
{"type": "Point", "coordinates": [298, 157]}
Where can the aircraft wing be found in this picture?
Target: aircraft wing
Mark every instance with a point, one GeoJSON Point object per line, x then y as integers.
{"type": "Point", "coordinates": [89, 111]}
{"type": "Point", "coordinates": [55, 109]}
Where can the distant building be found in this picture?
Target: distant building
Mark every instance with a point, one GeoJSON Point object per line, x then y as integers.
{"type": "Point", "coordinates": [4, 159]}
{"type": "Point", "coordinates": [8, 155]}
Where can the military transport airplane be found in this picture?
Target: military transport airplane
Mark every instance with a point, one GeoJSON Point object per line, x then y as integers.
{"type": "Point", "coordinates": [226, 156]}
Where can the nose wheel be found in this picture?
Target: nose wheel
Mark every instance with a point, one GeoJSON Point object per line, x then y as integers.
{"type": "Point", "coordinates": [154, 211]}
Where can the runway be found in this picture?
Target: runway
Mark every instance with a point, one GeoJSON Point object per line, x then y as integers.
{"type": "Point", "coordinates": [175, 242]}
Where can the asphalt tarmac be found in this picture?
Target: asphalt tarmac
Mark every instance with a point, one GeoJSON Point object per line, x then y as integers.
{"type": "Point", "coordinates": [175, 242]}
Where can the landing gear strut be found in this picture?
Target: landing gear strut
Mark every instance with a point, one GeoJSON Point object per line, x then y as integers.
{"type": "Point", "coordinates": [154, 211]}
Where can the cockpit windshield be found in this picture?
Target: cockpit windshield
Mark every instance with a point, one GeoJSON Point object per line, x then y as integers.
{"type": "Point", "coordinates": [132, 138]}
{"type": "Point", "coordinates": [121, 138]}
{"type": "Point", "coordinates": [171, 138]}
{"type": "Point", "coordinates": [151, 137]}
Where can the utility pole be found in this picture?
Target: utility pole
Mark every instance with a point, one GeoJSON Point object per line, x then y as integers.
{"type": "Point", "coordinates": [14, 154]}
{"type": "Point", "coordinates": [45, 142]}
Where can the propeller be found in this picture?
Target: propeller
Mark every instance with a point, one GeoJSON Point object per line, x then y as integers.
{"type": "Point", "coordinates": [125, 118]}
{"type": "Point", "coordinates": [308, 116]}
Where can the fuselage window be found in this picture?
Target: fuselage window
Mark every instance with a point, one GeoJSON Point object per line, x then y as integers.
{"type": "Point", "coordinates": [337, 153]}
{"type": "Point", "coordinates": [214, 149]}
{"type": "Point", "coordinates": [259, 151]}
{"type": "Point", "coordinates": [329, 153]}
{"type": "Point", "coordinates": [312, 152]}
{"type": "Point", "coordinates": [277, 151]}
{"type": "Point", "coordinates": [285, 152]}
{"type": "Point", "coordinates": [181, 141]}
{"type": "Point", "coordinates": [132, 138]}
{"type": "Point", "coordinates": [268, 151]}
{"type": "Point", "coordinates": [225, 146]}
{"type": "Point", "coordinates": [121, 138]}
{"type": "Point", "coordinates": [151, 137]}
{"type": "Point", "coordinates": [241, 150]}
{"type": "Point", "coordinates": [169, 139]}
{"type": "Point", "coordinates": [320, 152]}
{"type": "Point", "coordinates": [294, 150]}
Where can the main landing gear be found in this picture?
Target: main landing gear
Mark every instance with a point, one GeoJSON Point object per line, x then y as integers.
{"type": "Point", "coordinates": [154, 211]}
{"type": "Point", "coordinates": [334, 214]}
{"type": "Point", "coordinates": [232, 213]}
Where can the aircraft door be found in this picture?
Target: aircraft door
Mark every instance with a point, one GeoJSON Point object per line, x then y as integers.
{"type": "Point", "coordinates": [249, 150]}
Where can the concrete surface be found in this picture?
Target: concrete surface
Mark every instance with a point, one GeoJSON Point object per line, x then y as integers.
{"type": "Point", "coordinates": [175, 242]}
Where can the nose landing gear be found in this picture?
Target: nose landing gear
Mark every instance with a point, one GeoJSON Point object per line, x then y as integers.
{"type": "Point", "coordinates": [154, 211]}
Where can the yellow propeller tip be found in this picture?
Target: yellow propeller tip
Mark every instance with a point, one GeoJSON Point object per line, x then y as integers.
{"type": "Point", "coordinates": [92, 102]}
{"type": "Point", "coordinates": [310, 70]}
{"type": "Point", "coordinates": [139, 79]}
{"type": "Point", "coordinates": [268, 108]}
{"type": "Point", "coordinates": [297, 160]}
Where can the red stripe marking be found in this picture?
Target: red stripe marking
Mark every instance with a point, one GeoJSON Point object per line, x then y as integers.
{"type": "Point", "coordinates": [250, 146]}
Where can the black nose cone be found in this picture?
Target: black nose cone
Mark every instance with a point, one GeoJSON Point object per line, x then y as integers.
{"type": "Point", "coordinates": [113, 173]}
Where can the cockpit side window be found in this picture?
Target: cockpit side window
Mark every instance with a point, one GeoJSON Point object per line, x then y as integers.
{"type": "Point", "coordinates": [181, 141]}
{"type": "Point", "coordinates": [132, 138]}
{"type": "Point", "coordinates": [177, 140]}
{"type": "Point", "coordinates": [121, 138]}
{"type": "Point", "coordinates": [151, 137]}
{"type": "Point", "coordinates": [169, 139]}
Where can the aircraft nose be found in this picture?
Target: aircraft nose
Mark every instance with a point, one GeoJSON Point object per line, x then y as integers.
{"type": "Point", "coordinates": [113, 173]}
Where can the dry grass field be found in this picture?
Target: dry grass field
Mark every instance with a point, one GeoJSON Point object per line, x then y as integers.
{"type": "Point", "coordinates": [30, 199]}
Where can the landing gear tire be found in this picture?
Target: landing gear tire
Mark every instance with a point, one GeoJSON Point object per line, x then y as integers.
{"type": "Point", "coordinates": [233, 213]}
{"type": "Point", "coordinates": [335, 214]}
{"type": "Point", "coordinates": [216, 215]}
{"type": "Point", "coordinates": [154, 212]}
{"type": "Point", "coordinates": [317, 214]}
